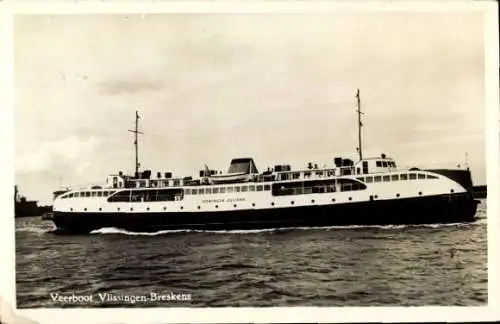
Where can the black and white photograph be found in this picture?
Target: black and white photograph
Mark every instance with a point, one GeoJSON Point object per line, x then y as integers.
{"type": "Point", "coordinates": [331, 158]}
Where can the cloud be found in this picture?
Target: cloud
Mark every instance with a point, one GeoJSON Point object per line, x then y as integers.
{"type": "Point", "coordinates": [129, 84]}
{"type": "Point", "coordinates": [68, 152]}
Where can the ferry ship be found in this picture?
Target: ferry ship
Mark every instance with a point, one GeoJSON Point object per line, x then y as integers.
{"type": "Point", "coordinates": [369, 191]}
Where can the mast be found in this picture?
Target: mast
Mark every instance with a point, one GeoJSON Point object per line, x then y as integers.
{"type": "Point", "coordinates": [136, 143]}
{"type": "Point", "coordinates": [360, 124]}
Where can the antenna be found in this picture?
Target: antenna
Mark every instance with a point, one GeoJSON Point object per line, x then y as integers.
{"type": "Point", "coordinates": [136, 143]}
{"type": "Point", "coordinates": [360, 124]}
{"type": "Point", "coordinates": [466, 161]}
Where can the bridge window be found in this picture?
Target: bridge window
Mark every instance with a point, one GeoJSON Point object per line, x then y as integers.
{"type": "Point", "coordinates": [296, 175]}
{"type": "Point", "coordinates": [430, 176]}
{"type": "Point", "coordinates": [377, 178]}
{"type": "Point", "coordinates": [229, 189]}
{"type": "Point", "coordinates": [99, 194]}
{"type": "Point", "coordinates": [403, 176]}
{"type": "Point", "coordinates": [237, 188]}
{"type": "Point", "coordinates": [421, 176]}
{"type": "Point", "coordinates": [222, 190]}
{"type": "Point", "coordinates": [267, 187]}
{"type": "Point", "coordinates": [87, 194]}
{"type": "Point", "coordinates": [413, 176]}
{"type": "Point", "coordinates": [379, 164]}
{"type": "Point", "coordinates": [244, 188]}
{"type": "Point", "coordinates": [369, 179]}
{"type": "Point", "coordinates": [215, 190]}
{"type": "Point", "coordinates": [386, 178]}
{"type": "Point", "coordinates": [201, 191]}
{"type": "Point", "coordinates": [94, 193]}
{"type": "Point", "coordinates": [187, 191]}
{"type": "Point", "coordinates": [395, 177]}
{"type": "Point", "coordinates": [209, 190]}
{"type": "Point", "coordinates": [194, 191]}
{"type": "Point", "coordinates": [251, 188]}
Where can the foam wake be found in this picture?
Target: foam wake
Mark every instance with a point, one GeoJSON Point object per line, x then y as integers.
{"type": "Point", "coordinates": [113, 230]}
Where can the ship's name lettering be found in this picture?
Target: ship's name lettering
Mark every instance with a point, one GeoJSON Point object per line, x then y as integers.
{"type": "Point", "coordinates": [208, 201]}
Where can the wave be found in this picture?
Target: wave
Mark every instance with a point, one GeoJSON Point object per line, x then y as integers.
{"type": "Point", "coordinates": [114, 230]}
{"type": "Point", "coordinates": [35, 229]}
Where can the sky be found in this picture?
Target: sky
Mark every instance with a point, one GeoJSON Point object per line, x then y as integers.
{"type": "Point", "coordinates": [210, 87]}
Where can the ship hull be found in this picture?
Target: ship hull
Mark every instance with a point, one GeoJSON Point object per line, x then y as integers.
{"type": "Point", "coordinates": [450, 208]}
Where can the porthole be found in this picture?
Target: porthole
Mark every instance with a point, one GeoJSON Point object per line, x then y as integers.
{"type": "Point", "coordinates": [452, 191]}
{"type": "Point", "coordinates": [376, 196]}
{"type": "Point", "coordinates": [100, 209]}
{"type": "Point", "coordinates": [182, 207]}
{"type": "Point", "coordinates": [118, 209]}
{"type": "Point", "coordinates": [234, 205]}
{"type": "Point", "coordinates": [420, 193]}
{"type": "Point", "coordinates": [216, 206]}
{"type": "Point", "coordinates": [397, 195]}
{"type": "Point", "coordinates": [333, 199]}
{"type": "Point", "coordinates": [71, 209]}
{"type": "Point", "coordinates": [253, 204]}
{"type": "Point", "coordinates": [313, 201]}
{"type": "Point", "coordinates": [85, 209]}
{"type": "Point", "coordinates": [292, 202]}
{"type": "Point", "coordinates": [199, 207]}
{"type": "Point", "coordinates": [147, 208]}
{"type": "Point", "coordinates": [350, 198]}
{"type": "Point", "coordinates": [164, 208]}
{"type": "Point", "coordinates": [272, 204]}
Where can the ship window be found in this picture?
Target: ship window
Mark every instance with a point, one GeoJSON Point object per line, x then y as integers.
{"type": "Point", "coordinates": [244, 188]}
{"type": "Point", "coordinates": [215, 190]}
{"type": "Point", "coordinates": [413, 176]}
{"type": "Point", "coordinates": [222, 190]}
{"type": "Point", "coordinates": [251, 188]}
{"type": "Point", "coordinates": [194, 191]}
{"type": "Point", "coordinates": [87, 194]}
{"type": "Point", "coordinates": [430, 176]}
{"type": "Point", "coordinates": [369, 179]}
{"type": "Point", "coordinates": [421, 176]}
{"type": "Point", "coordinates": [296, 175]}
{"type": "Point", "coordinates": [187, 191]}
{"type": "Point", "coordinates": [267, 187]}
{"type": "Point", "coordinates": [260, 187]}
{"type": "Point", "coordinates": [77, 194]}
{"type": "Point", "coordinates": [209, 190]}
{"type": "Point", "coordinates": [94, 193]}
{"type": "Point", "coordinates": [99, 194]}
{"type": "Point", "coordinates": [386, 178]}
{"type": "Point", "coordinates": [384, 164]}
{"type": "Point", "coordinates": [307, 174]}
{"type": "Point", "coordinates": [377, 178]}
{"type": "Point", "coordinates": [229, 189]}
{"type": "Point", "coordinates": [236, 188]}
{"type": "Point", "coordinates": [177, 182]}
{"type": "Point", "coordinates": [379, 163]}
{"type": "Point", "coordinates": [404, 176]}
{"type": "Point", "coordinates": [395, 177]}
{"type": "Point", "coordinates": [201, 191]}
{"type": "Point", "coordinates": [319, 173]}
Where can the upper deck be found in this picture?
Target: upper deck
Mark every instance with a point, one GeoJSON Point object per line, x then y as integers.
{"type": "Point", "coordinates": [243, 170]}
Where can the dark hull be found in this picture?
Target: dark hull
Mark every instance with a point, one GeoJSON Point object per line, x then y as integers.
{"type": "Point", "coordinates": [420, 210]}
